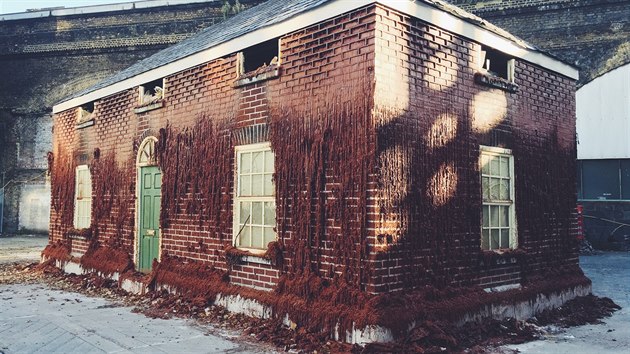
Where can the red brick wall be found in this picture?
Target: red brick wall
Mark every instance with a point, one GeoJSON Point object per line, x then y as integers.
{"type": "Point", "coordinates": [429, 140]}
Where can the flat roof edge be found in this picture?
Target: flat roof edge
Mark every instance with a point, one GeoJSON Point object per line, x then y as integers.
{"type": "Point", "coordinates": [95, 9]}
{"type": "Point", "coordinates": [421, 10]}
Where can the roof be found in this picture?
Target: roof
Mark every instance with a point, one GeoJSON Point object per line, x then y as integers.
{"type": "Point", "coordinates": [275, 18]}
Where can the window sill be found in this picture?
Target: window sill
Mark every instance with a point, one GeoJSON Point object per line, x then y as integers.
{"type": "Point", "coordinates": [502, 256]}
{"type": "Point", "coordinates": [489, 80]}
{"type": "Point", "coordinates": [85, 124]}
{"type": "Point", "coordinates": [149, 106]}
{"type": "Point", "coordinates": [270, 72]}
{"type": "Point", "coordinates": [79, 234]}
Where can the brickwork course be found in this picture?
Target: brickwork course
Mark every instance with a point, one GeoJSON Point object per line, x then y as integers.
{"type": "Point", "coordinates": [48, 55]}
{"type": "Point", "coordinates": [595, 35]}
{"type": "Point", "coordinates": [376, 122]}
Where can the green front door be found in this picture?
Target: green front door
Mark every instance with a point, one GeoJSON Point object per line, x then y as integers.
{"type": "Point", "coordinates": [149, 217]}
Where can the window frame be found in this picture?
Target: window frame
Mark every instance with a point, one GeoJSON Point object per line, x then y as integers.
{"type": "Point", "coordinates": [486, 66]}
{"type": "Point", "coordinates": [510, 203]}
{"type": "Point", "coordinates": [142, 88]}
{"type": "Point", "coordinates": [76, 219]}
{"type": "Point", "coordinates": [241, 58]}
{"type": "Point", "coordinates": [238, 199]}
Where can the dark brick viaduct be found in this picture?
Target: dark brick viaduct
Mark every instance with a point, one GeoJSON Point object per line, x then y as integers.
{"type": "Point", "coordinates": [49, 54]}
{"type": "Point", "coordinates": [46, 55]}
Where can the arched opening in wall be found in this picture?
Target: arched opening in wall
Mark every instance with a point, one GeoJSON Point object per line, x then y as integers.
{"type": "Point", "coordinates": [148, 201]}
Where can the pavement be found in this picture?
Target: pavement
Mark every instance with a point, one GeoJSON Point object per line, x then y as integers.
{"type": "Point", "coordinates": [35, 318]}
{"type": "Point", "coordinates": [610, 273]}
{"type": "Point", "coordinates": [22, 248]}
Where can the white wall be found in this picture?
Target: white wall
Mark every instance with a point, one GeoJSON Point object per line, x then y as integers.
{"type": "Point", "coordinates": [35, 207]}
{"type": "Point", "coordinates": [603, 116]}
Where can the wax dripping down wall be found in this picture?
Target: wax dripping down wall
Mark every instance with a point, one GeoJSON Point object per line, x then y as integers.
{"type": "Point", "coordinates": [197, 180]}
{"type": "Point", "coordinates": [324, 150]}
{"type": "Point", "coordinates": [62, 170]}
{"type": "Point", "coordinates": [113, 202]}
{"type": "Point", "coordinates": [545, 170]}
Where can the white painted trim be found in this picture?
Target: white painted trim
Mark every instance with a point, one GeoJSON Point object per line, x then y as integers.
{"type": "Point", "coordinates": [499, 151]}
{"type": "Point", "coordinates": [75, 217]}
{"type": "Point", "coordinates": [418, 9]}
{"type": "Point", "coordinates": [264, 146]}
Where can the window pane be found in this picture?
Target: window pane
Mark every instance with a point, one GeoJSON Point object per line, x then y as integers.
{"type": "Point", "coordinates": [494, 239]}
{"type": "Point", "coordinates": [245, 185]}
{"type": "Point", "coordinates": [257, 185]}
{"type": "Point", "coordinates": [270, 213]}
{"type": "Point", "coordinates": [246, 162]}
{"type": "Point", "coordinates": [257, 217]}
{"type": "Point", "coordinates": [269, 161]}
{"type": "Point", "coordinates": [244, 213]}
{"type": "Point", "coordinates": [486, 216]}
{"type": "Point", "coordinates": [494, 166]}
{"type": "Point", "coordinates": [257, 236]}
{"type": "Point", "coordinates": [505, 216]}
{"type": "Point", "coordinates": [625, 179]}
{"type": "Point", "coordinates": [246, 237]}
{"type": "Point", "coordinates": [600, 179]}
{"type": "Point", "coordinates": [494, 216]}
{"type": "Point", "coordinates": [268, 183]}
{"type": "Point", "coordinates": [505, 238]}
{"type": "Point", "coordinates": [257, 162]}
{"type": "Point", "coordinates": [485, 164]}
{"type": "Point", "coordinates": [504, 170]}
{"type": "Point", "coordinates": [485, 235]}
{"type": "Point", "coordinates": [270, 236]}
{"type": "Point", "coordinates": [495, 192]}
{"type": "Point", "coordinates": [485, 188]}
{"type": "Point", "coordinates": [504, 189]}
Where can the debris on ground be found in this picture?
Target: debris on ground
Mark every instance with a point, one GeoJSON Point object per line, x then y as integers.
{"type": "Point", "coordinates": [426, 337]}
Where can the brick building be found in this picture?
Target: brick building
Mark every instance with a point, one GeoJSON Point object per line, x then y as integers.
{"type": "Point", "coordinates": [335, 152]}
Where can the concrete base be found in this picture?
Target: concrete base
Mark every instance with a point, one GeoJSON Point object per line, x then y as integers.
{"type": "Point", "coordinates": [369, 334]}
{"type": "Point", "coordinates": [527, 309]}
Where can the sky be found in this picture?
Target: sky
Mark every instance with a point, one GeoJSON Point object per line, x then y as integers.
{"type": "Point", "coordinates": [11, 6]}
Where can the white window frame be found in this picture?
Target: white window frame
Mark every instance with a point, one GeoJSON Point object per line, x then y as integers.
{"type": "Point", "coordinates": [238, 199]}
{"type": "Point", "coordinates": [78, 224]}
{"type": "Point", "coordinates": [142, 88]}
{"type": "Point", "coordinates": [483, 65]}
{"type": "Point", "coordinates": [510, 203]}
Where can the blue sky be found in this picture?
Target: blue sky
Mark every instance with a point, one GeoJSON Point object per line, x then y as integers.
{"type": "Point", "coordinates": [11, 6]}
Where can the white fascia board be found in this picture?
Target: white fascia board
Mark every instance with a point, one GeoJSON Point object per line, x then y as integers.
{"type": "Point", "coordinates": [157, 3]}
{"type": "Point", "coordinates": [326, 11]}
{"type": "Point", "coordinates": [92, 9]}
{"type": "Point", "coordinates": [24, 15]}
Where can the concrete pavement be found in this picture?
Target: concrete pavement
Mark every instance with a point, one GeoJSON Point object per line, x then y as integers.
{"type": "Point", "coordinates": [37, 319]}
{"type": "Point", "coordinates": [22, 248]}
{"type": "Point", "coordinates": [610, 273]}
{"type": "Point", "coordinates": [34, 318]}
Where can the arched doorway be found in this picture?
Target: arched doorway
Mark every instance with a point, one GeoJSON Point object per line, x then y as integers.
{"type": "Point", "coordinates": [149, 183]}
